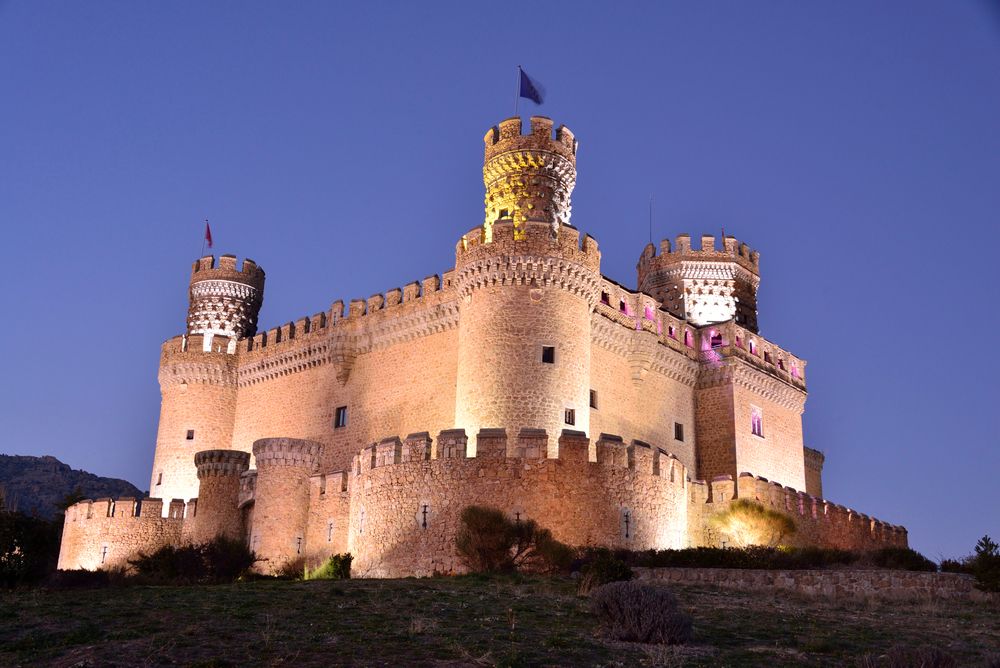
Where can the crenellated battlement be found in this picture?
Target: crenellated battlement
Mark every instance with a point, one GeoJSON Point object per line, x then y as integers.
{"type": "Point", "coordinates": [526, 445]}
{"type": "Point", "coordinates": [507, 136]}
{"type": "Point", "coordinates": [681, 250]}
{"type": "Point", "coordinates": [728, 340]}
{"type": "Point", "coordinates": [818, 521]}
{"type": "Point", "coordinates": [704, 286]}
{"type": "Point", "coordinates": [207, 268]}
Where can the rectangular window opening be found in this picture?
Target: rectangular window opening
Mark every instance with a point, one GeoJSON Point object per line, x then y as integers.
{"type": "Point", "coordinates": [548, 354]}
{"type": "Point", "coordinates": [340, 417]}
{"type": "Point", "coordinates": [678, 431]}
{"type": "Point", "coordinates": [159, 478]}
{"type": "Point", "coordinates": [593, 399]}
{"type": "Point", "coordinates": [756, 421]}
{"type": "Point", "coordinates": [190, 434]}
{"type": "Point", "coordinates": [570, 416]}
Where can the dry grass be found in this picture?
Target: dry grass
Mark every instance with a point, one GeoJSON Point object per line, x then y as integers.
{"type": "Point", "coordinates": [498, 621]}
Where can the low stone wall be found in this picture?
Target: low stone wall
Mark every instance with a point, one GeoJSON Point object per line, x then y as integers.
{"type": "Point", "coordinates": [834, 583]}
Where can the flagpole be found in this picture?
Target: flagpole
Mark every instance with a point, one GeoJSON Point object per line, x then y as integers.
{"type": "Point", "coordinates": [517, 88]}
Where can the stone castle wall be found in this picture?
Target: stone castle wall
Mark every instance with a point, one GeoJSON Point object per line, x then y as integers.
{"type": "Point", "coordinates": [105, 534]}
{"type": "Point", "coordinates": [404, 515]}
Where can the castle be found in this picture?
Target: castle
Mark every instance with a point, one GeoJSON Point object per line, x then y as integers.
{"type": "Point", "coordinates": [522, 379]}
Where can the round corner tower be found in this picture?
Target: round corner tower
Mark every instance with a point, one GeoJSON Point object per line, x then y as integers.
{"type": "Point", "coordinates": [198, 372]}
{"type": "Point", "coordinates": [218, 512]}
{"type": "Point", "coordinates": [527, 284]}
{"type": "Point", "coordinates": [704, 286]}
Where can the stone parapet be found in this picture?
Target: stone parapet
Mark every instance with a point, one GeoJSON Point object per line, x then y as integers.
{"type": "Point", "coordinates": [221, 463]}
{"type": "Point", "coordinates": [296, 452]}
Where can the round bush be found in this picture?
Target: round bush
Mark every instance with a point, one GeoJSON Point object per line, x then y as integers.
{"type": "Point", "coordinates": [637, 612]}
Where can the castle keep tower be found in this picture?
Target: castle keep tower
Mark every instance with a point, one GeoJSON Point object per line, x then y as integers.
{"type": "Point", "coordinates": [198, 372]}
{"type": "Point", "coordinates": [703, 286]}
{"type": "Point", "coordinates": [526, 287]}
{"type": "Point", "coordinates": [224, 302]}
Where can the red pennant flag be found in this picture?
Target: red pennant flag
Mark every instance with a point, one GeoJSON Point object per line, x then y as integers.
{"type": "Point", "coordinates": [208, 234]}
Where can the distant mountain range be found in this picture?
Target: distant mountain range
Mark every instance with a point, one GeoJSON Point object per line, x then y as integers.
{"type": "Point", "coordinates": [36, 485]}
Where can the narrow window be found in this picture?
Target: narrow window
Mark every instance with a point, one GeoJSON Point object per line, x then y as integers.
{"type": "Point", "coordinates": [570, 416]}
{"type": "Point", "coordinates": [687, 338]}
{"type": "Point", "coordinates": [104, 553]}
{"type": "Point", "coordinates": [593, 399]}
{"type": "Point", "coordinates": [671, 332]}
{"type": "Point", "coordinates": [753, 347]}
{"type": "Point", "coordinates": [716, 340]}
{"type": "Point", "coordinates": [159, 478]}
{"type": "Point", "coordinates": [606, 298]}
{"type": "Point", "coordinates": [190, 434]}
{"type": "Point", "coordinates": [756, 421]}
{"type": "Point", "coordinates": [549, 354]}
{"type": "Point", "coordinates": [621, 306]}
{"type": "Point", "coordinates": [767, 357]}
{"type": "Point", "coordinates": [504, 213]}
{"type": "Point", "coordinates": [678, 431]}
{"type": "Point", "coordinates": [340, 417]}
{"type": "Point", "coordinates": [298, 545]}
{"type": "Point", "coordinates": [781, 364]}
{"type": "Point", "coordinates": [329, 532]}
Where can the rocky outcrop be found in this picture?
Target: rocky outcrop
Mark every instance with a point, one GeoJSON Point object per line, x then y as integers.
{"type": "Point", "coordinates": [37, 485]}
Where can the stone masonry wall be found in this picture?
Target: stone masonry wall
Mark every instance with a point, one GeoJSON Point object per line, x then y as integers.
{"type": "Point", "coordinates": [818, 522]}
{"type": "Point", "coordinates": [106, 534]}
{"type": "Point", "coordinates": [405, 514]}
{"type": "Point", "coordinates": [832, 583]}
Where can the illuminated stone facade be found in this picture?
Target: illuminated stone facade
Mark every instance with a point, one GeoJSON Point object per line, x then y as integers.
{"type": "Point", "coordinates": [522, 378]}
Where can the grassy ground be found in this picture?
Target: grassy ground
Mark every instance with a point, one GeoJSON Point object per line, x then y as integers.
{"type": "Point", "coordinates": [457, 622]}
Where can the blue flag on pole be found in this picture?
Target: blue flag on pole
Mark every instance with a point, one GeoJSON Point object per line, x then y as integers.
{"type": "Point", "coordinates": [530, 89]}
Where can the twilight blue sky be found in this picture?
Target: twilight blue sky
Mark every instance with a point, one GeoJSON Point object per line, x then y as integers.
{"type": "Point", "coordinates": [855, 144]}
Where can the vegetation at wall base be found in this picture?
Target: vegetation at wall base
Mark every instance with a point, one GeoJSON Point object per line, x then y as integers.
{"type": "Point", "coordinates": [748, 522]}
{"type": "Point", "coordinates": [337, 567]}
{"type": "Point", "coordinates": [490, 542]}
{"type": "Point", "coordinates": [219, 560]}
{"type": "Point", "coordinates": [778, 558]}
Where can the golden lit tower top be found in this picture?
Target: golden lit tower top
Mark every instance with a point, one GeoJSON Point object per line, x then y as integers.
{"type": "Point", "coordinates": [528, 177]}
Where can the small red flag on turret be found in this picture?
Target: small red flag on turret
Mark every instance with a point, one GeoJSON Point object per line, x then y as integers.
{"type": "Point", "coordinates": [208, 234]}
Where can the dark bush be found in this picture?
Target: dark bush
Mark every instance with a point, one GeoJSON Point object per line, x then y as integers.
{"type": "Point", "coordinates": [636, 612]}
{"type": "Point", "coordinates": [963, 566]}
{"type": "Point", "coordinates": [900, 559]}
{"type": "Point", "coordinates": [488, 541]}
{"type": "Point", "coordinates": [755, 556]}
{"type": "Point", "coordinates": [29, 548]}
{"type": "Point", "coordinates": [218, 560]}
{"type": "Point", "coordinates": [986, 565]}
{"type": "Point", "coordinates": [600, 567]}
{"type": "Point", "coordinates": [337, 567]}
{"type": "Point", "coordinates": [79, 579]}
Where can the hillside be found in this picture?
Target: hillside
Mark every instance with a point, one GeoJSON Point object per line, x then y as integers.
{"type": "Point", "coordinates": [36, 485]}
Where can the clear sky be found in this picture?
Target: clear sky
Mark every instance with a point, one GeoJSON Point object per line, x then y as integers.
{"type": "Point", "coordinates": [855, 144]}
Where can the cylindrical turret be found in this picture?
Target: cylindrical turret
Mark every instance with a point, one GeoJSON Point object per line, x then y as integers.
{"type": "Point", "coordinates": [703, 286]}
{"type": "Point", "coordinates": [198, 372]}
{"type": "Point", "coordinates": [281, 508]}
{"type": "Point", "coordinates": [527, 286]}
{"type": "Point", "coordinates": [224, 302]}
{"type": "Point", "coordinates": [218, 511]}
{"type": "Point", "coordinates": [528, 177]}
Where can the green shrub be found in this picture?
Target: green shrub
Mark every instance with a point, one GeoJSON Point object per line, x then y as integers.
{"type": "Point", "coordinates": [750, 523]}
{"type": "Point", "coordinates": [219, 560]}
{"type": "Point", "coordinates": [488, 542]}
{"type": "Point", "coordinates": [636, 612]}
{"type": "Point", "coordinates": [337, 567]}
